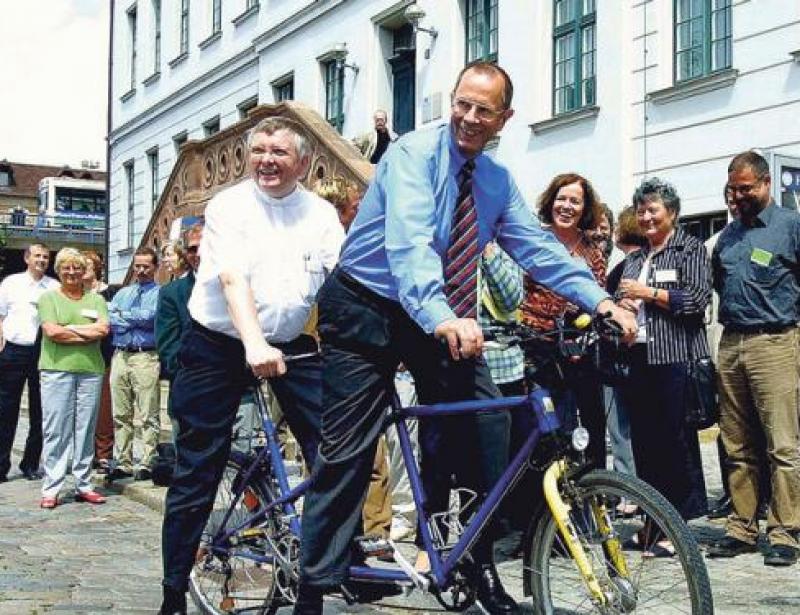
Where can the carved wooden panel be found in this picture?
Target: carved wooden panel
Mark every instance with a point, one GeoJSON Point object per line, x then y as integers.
{"type": "Point", "coordinates": [205, 167]}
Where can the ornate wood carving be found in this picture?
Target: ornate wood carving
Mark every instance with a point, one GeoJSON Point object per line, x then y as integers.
{"type": "Point", "coordinates": [205, 167]}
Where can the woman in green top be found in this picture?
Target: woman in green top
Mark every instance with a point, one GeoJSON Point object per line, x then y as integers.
{"type": "Point", "coordinates": [71, 367]}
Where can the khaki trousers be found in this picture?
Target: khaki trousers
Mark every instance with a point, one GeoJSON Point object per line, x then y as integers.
{"type": "Point", "coordinates": [377, 511]}
{"type": "Point", "coordinates": [135, 389]}
{"type": "Point", "coordinates": [758, 380]}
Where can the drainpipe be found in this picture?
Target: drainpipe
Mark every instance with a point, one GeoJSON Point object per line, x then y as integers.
{"type": "Point", "coordinates": [108, 136]}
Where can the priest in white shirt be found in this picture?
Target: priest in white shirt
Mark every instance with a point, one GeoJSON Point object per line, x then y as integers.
{"type": "Point", "coordinates": [267, 246]}
{"type": "Point", "coordinates": [19, 358]}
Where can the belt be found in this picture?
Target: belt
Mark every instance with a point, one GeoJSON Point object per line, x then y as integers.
{"type": "Point", "coordinates": [758, 329]}
{"type": "Point", "coordinates": [135, 348]}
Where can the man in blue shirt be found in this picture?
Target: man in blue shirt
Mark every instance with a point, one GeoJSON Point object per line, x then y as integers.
{"type": "Point", "coordinates": [756, 267]}
{"type": "Point", "coordinates": [135, 368]}
{"type": "Point", "coordinates": [408, 279]}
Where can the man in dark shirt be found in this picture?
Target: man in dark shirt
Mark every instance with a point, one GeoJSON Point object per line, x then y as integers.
{"type": "Point", "coordinates": [755, 265]}
{"type": "Point", "coordinates": [373, 144]}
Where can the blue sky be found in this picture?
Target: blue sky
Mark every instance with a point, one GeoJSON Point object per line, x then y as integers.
{"type": "Point", "coordinates": [53, 106]}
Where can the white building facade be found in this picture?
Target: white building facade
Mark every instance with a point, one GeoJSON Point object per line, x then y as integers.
{"type": "Point", "coordinates": [613, 89]}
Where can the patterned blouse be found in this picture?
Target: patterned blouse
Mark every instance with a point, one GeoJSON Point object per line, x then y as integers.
{"type": "Point", "coordinates": [541, 306]}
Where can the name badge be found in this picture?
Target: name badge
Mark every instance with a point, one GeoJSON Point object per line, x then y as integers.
{"type": "Point", "coordinates": [666, 275]}
{"type": "Point", "coordinates": [760, 257]}
{"type": "Point", "coordinates": [92, 314]}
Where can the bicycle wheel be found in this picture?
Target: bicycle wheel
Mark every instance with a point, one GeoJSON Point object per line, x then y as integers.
{"type": "Point", "coordinates": [238, 574]}
{"type": "Point", "coordinates": [611, 510]}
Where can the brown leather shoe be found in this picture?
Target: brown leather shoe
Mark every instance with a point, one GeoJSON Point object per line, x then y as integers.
{"type": "Point", "coordinates": [92, 497]}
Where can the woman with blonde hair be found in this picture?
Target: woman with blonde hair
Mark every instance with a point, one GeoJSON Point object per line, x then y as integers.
{"type": "Point", "coordinates": [71, 370]}
{"type": "Point", "coordinates": [173, 259]}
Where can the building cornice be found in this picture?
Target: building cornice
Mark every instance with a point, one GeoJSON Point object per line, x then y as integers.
{"type": "Point", "coordinates": [569, 118]}
{"type": "Point", "coordinates": [294, 22]}
{"type": "Point", "coordinates": [239, 62]}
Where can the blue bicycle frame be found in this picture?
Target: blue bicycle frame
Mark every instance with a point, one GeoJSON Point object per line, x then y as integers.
{"type": "Point", "coordinates": [546, 421]}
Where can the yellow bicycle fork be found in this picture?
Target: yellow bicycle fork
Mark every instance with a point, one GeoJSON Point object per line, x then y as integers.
{"type": "Point", "coordinates": [560, 511]}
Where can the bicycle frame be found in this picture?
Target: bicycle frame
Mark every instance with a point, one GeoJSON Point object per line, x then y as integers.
{"type": "Point", "coordinates": [538, 401]}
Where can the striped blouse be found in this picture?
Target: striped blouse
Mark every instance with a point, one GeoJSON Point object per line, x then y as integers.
{"type": "Point", "coordinates": [683, 269]}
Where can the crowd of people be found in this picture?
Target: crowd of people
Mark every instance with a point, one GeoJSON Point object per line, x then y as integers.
{"type": "Point", "coordinates": [440, 245]}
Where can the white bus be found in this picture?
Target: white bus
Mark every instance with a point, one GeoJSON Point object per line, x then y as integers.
{"type": "Point", "coordinates": [72, 203]}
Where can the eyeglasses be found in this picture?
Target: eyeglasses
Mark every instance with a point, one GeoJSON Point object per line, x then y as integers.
{"type": "Point", "coordinates": [744, 189]}
{"type": "Point", "coordinates": [462, 106]}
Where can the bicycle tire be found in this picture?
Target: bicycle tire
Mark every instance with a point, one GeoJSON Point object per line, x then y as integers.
{"type": "Point", "coordinates": [222, 583]}
{"type": "Point", "coordinates": [556, 585]}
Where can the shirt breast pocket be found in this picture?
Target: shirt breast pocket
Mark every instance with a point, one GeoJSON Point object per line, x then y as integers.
{"type": "Point", "coordinates": [766, 277]}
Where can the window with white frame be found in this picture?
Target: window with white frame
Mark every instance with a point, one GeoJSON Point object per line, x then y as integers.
{"type": "Point", "coordinates": [130, 195]}
{"type": "Point", "coordinates": [132, 42]}
{"type": "Point", "coordinates": [184, 27]}
{"type": "Point", "coordinates": [334, 94]}
{"type": "Point", "coordinates": [156, 36]}
{"type": "Point", "coordinates": [246, 106]}
{"type": "Point", "coordinates": [481, 30]}
{"type": "Point", "coordinates": [178, 140]}
{"type": "Point", "coordinates": [702, 37]}
{"type": "Point", "coordinates": [152, 163]}
{"type": "Point", "coordinates": [216, 16]}
{"type": "Point", "coordinates": [574, 50]}
{"type": "Point", "coordinates": [284, 89]}
{"type": "Point", "coordinates": [211, 127]}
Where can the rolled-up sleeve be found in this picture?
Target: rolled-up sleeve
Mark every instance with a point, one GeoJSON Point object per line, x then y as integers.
{"type": "Point", "coordinates": [410, 227]}
{"type": "Point", "coordinates": [543, 257]}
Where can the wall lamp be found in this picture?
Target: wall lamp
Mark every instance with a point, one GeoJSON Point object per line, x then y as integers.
{"type": "Point", "coordinates": [340, 55]}
{"type": "Point", "coordinates": [414, 14]}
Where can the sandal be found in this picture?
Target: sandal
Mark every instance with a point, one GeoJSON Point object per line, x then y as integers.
{"type": "Point", "coordinates": [660, 549]}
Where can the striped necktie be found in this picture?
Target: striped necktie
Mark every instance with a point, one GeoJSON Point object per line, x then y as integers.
{"type": "Point", "coordinates": [461, 272]}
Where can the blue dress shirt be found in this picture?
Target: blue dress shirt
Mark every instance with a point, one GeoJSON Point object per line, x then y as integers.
{"type": "Point", "coordinates": [398, 242]}
{"type": "Point", "coordinates": [132, 314]}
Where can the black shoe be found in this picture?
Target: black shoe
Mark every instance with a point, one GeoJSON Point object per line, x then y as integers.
{"type": "Point", "coordinates": [3, 478]}
{"type": "Point", "coordinates": [781, 555]}
{"type": "Point", "coordinates": [728, 546]}
{"type": "Point", "coordinates": [491, 594]}
{"type": "Point", "coordinates": [118, 474]}
{"type": "Point", "coordinates": [722, 508]}
{"type": "Point", "coordinates": [143, 474]}
{"type": "Point", "coordinates": [32, 473]}
{"type": "Point", "coordinates": [309, 601]}
{"type": "Point", "coordinates": [174, 602]}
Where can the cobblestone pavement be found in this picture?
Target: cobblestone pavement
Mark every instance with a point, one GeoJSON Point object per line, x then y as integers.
{"type": "Point", "coordinates": [106, 559]}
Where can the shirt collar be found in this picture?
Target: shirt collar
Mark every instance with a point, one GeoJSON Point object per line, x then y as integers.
{"type": "Point", "coordinates": [457, 159]}
{"type": "Point", "coordinates": [146, 285]}
{"type": "Point", "coordinates": [290, 200]}
{"type": "Point", "coordinates": [766, 214]}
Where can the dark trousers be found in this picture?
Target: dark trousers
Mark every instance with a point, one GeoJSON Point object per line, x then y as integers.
{"type": "Point", "coordinates": [18, 365]}
{"type": "Point", "coordinates": [104, 431]}
{"type": "Point", "coordinates": [206, 393]}
{"type": "Point", "coordinates": [666, 449]}
{"type": "Point", "coordinates": [364, 338]}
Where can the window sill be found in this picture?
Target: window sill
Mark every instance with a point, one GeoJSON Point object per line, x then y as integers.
{"type": "Point", "coordinates": [127, 95]}
{"type": "Point", "coordinates": [152, 79]}
{"type": "Point", "coordinates": [795, 55]}
{"type": "Point", "coordinates": [177, 60]}
{"type": "Point", "coordinates": [565, 119]}
{"type": "Point", "coordinates": [210, 40]}
{"type": "Point", "coordinates": [240, 19]}
{"type": "Point", "coordinates": [125, 251]}
{"type": "Point", "coordinates": [701, 85]}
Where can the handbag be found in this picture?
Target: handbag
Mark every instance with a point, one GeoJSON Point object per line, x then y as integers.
{"type": "Point", "coordinates": [702, 409]}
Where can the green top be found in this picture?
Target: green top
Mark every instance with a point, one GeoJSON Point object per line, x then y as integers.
{"type": "Point", "coordinates": [79, 358]}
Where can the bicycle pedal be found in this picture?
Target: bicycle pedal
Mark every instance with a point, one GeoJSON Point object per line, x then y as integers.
{"type": "Point", "coordinates": [374, 546]}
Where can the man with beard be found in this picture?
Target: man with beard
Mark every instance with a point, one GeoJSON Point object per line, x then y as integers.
{"type": "Point", "coordinates": [755, 265]}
